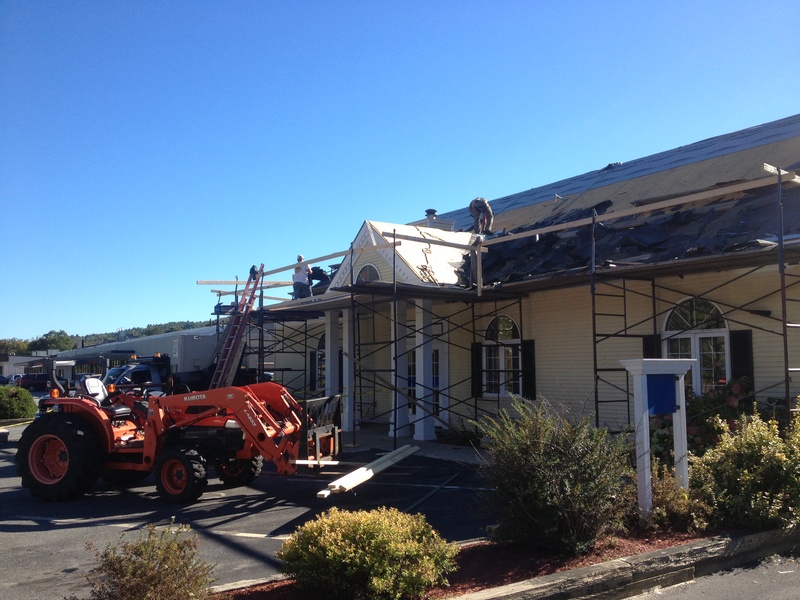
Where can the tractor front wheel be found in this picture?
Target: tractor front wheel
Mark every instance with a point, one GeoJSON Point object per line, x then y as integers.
{"type": "Point", "coordinates": [59, 457]}
{"type": "Point", "coordinates": [238, 472]}
{"type": "Point", "coordinates": [181, 475]}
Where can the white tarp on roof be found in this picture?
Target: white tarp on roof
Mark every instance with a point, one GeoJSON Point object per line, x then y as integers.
{"type": "Point", "coordinates": [431, 257]}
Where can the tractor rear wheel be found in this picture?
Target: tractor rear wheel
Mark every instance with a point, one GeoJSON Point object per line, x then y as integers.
{"type": "Point", "coordinates": [238, 472]}
{"type": "Point", "coordinates": [59, 457]}
{"type": "Point", "coordinates": [181, 475]}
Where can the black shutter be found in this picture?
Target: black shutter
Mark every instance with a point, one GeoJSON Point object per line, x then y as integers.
{"type": "Point", "coordinates": [529, 369]}
{"type": "Point", "coordinates": [312, 368]}
{"type": "Point", "coordinates": [651, 346]}
{"type": "Point", "coordinates": [742, 354]}
{"type": "Point", "coordinates": [477, 369]}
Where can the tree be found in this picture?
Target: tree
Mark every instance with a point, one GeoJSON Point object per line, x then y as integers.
{"type": "Point", "coordinates": [53, 340]}
{"type": "Point", "coordinates": [14, 346]}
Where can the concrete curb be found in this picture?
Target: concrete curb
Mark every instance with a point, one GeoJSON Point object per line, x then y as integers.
{"type": "Point", "coordinates": [633, 575]}
{"type": "Point", "coordinates": [4, 433]}
{"type": "Point", "coordinates": [625, 577]}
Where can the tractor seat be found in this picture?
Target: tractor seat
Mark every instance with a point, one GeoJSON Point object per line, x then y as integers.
{"type": "Point", "coordinates": [94, 388]}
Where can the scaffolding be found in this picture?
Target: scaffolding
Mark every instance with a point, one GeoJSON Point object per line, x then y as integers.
{"type": "Point", "coordinates": [386, 348]}
{"type": "Point", "coordinates": [613, 324]}
{"type": "Point", "coordinates": [379, 367]}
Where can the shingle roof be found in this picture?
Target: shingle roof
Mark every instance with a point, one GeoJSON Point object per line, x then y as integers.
{"type": "Point", "coordinates": [615, 173]}
{"type": "Point", "coordinates": [730, 223]}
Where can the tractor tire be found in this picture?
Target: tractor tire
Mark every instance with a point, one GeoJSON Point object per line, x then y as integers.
{"type": "Point", "coordinates": [181, 475]}
{"type": "Point", "coordinates": [239, 472]}
{"type": "Point", "coordinates": [59, 457]}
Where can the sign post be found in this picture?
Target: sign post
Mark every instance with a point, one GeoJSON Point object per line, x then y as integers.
{"type": "Point", "coordinates": [658, 388]}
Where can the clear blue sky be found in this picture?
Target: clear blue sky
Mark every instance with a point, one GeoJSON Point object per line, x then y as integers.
{"type": "Point", "coordinates": [145, 145]}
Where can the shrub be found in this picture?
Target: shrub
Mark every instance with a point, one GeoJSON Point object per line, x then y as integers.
{"type": "Point", "coordinates": [555, 482]}
{"type": "Point", "coordinates": [728, 403]}
{"type": "Point", "coordinates": [16, 403]}
{"type": "Point", "coordinates": [367, 555]}
{"type": "Point", "coordinates": [675, 508]}
{"type": "Point", "coordinates": [158, 566]}
{"type": "Point", "coordinates": [752, 476]}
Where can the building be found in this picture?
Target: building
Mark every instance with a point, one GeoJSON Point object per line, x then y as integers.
{"type": "Point", "coordinates": [687, 253]}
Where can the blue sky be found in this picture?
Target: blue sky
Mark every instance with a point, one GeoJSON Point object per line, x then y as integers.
{"type": "Point", "coordinates": [147, 145]}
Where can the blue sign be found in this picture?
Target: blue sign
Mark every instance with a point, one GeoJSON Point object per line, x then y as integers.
{"type": "Point", "coordinates": [661, 396]}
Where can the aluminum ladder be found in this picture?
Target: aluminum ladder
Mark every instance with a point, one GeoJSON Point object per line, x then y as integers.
{"type": "Point", "coordinates": [231, 351]}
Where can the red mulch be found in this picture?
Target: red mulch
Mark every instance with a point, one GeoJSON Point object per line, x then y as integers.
{"type": "Point", "coordinates": [486, 565]}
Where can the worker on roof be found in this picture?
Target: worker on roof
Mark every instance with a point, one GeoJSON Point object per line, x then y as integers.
{"type": "Point", "coordinates": [301, 279]}
{"type": "Point", "coordinates": [482, 214]}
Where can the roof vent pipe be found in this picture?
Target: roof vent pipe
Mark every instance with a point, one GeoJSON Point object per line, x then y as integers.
{"type": "Point", "coordinates": [430, 214]}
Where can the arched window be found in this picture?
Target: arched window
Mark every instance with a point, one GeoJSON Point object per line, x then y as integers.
{"type": "Point", "coordinates": [696, 328]}
{"type": "Point", "coordinates": [501, 358]}
{"type": "Point", "coordinates": [368, 273]}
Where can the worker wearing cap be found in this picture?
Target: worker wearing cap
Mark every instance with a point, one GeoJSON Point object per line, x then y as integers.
{"type": "Point", "coordinates": [301, 279]}
{"type": "Point", "coordinates": [482, 214]}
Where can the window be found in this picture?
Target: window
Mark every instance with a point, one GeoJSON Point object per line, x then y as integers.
{"type": "Point", "coordinates": [696, 329]}
{"type": "Point", "coordinates": [368, 273]}
{"type": "Point", "coordinates": [501, 358]}
{"type": "Point", "coordinates": [317, 363]}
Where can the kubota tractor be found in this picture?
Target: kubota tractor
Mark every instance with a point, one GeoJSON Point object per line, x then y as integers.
{"type": "Point", "coordinates": [123, 437]}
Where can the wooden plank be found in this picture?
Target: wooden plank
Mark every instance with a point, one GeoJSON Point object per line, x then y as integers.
{"type": "Point", "coordinates": [362, 474]}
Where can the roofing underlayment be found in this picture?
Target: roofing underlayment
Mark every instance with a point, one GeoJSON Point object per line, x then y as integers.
{"type": "Point", "coordinates": [741, 219]}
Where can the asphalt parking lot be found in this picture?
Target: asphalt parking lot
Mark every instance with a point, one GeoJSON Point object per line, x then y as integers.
{"type": "Point", "coordinates": [43, 544]}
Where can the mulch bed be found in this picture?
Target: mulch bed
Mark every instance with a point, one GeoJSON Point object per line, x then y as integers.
{"type": "Point", "coordinates": [486, 565]}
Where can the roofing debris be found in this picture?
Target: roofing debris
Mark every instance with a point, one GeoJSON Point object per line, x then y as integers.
{"type": "Point", "coordinates": [737, 222]}
{"type": "Point", "coordinates": [721, 227]}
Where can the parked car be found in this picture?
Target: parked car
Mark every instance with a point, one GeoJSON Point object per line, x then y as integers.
{"type": "Point", "coordinates": [38, 382]}
{"type": "Point", "coordinates": [4, 380]}
{"type": "Point", "coordinates": [14, 379]}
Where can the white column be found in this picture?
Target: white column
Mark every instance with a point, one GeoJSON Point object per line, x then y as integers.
{"type": "Point", "coordinates": [398, 420]}
{"type": "Point", "coordinates": [679, 436]}
{"type": "Point", "coordinates": [332, 348]}
{"type": "Point", "coordinates": [425, 426]}
{"type": "Point", "coordinates": [348, 372]}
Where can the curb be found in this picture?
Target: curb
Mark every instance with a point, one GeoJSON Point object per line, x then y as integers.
{"type": "Point", "coordinates": [625, 577]}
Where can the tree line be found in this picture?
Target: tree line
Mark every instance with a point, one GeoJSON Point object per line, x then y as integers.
{"type": "Point", "coordinates": [61, 340]}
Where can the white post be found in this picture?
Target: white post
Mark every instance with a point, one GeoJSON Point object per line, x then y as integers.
{"type": "Point", "coordinates": [398, 424]}
{"type": "Point", "coordinates": [640, 369]}
{"type": "Point", "coordinates": [332, 354]}
{"type": "Point", "coordinates": [348, 373]}
{"type": "Point", "coordinates": [679, 435]}
{"type": "Point", "coordinates": [425, 428]}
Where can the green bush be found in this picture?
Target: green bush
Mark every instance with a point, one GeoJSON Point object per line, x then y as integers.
{"type": "Point", "coordinates": [675, 508]}
{"type": "Point", "coordinates": [727, 403]}
{"type": "Point", "coordinates": [158, 566]}
{"type": "Point", "coordinates": [752, 476]}
{"type": "Point", "coordinates": [556, 482]}
{"type": "Point", "coordinates": [367, 555]}
{"type": "Point", "coordinates": [16, 403]}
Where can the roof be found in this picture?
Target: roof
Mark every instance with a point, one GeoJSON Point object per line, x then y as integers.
{"type": "Point", "coordinates": [708, 199]}
{"type": "Point", "coordinates": [665, 163]}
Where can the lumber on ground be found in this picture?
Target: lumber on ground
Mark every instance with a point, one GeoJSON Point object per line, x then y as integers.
{"type": "Point", "coordinates": [362, 474]}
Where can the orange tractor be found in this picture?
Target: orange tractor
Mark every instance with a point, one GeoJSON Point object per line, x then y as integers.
{"type": "Point", "coordinates": [124, 437]}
